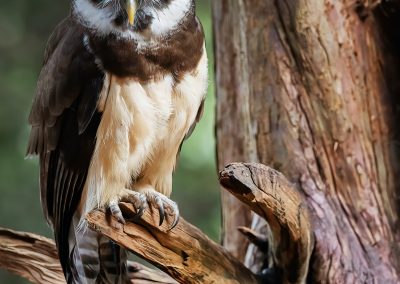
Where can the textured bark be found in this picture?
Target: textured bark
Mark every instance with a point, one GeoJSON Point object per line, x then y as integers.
{"type": "Point", "coordinates": [185, 253]}
{"type": "Point", "coordinates": [311, 88]}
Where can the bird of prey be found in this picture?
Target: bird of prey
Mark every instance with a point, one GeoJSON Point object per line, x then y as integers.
{"type": "Point", "coordinates": [122, 85]}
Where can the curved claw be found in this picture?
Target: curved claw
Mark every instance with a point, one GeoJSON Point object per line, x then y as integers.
{"type": "Point", "coordinates": [141, 209]}
{"type": "Point", "coordinates": [142, 201]}
{"type": "Point", "coordinates": [176, 219]}
{"type": "Point", "coordinates": [116, 212]}
{"type": "Point", "coordinates": [160, 209]}
{"type": "Point", "coordinates": [139, 201]}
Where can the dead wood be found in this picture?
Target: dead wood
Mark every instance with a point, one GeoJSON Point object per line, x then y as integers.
{"type": "Point", "coordinates": [30, 256]}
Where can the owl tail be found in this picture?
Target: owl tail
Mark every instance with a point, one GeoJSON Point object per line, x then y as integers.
{"type": "Point", "coordinates": [94, 259]}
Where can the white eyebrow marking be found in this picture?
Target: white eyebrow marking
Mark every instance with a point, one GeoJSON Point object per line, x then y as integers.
{"type": "Point", "coordinates": [101, 20]}
{"type": "Point", "coordinates": [168, 19]}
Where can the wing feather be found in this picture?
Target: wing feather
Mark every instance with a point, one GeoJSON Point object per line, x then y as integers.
{"type": "Point", "coordinates": [199, 115]}
{"type": "Point", "coordinates": [64, 122]}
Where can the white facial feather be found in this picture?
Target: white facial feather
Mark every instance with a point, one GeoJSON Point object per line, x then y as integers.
{"type": "Point", "coordinates": [168, 19]}
{"type": "Point", "coordinates": [101, 19]}
{"type": "Point", "coordinates": [97, 18]}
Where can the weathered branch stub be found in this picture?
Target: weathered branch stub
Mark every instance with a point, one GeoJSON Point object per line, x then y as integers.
{"type": "Point", "coordinates": [269, 194]}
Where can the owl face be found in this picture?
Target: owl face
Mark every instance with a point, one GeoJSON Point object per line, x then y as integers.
{"type": "Point", "coordinates": [133, 19]}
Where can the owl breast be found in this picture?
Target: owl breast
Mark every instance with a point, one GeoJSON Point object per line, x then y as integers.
{"type": "Point", "coordinates": [142, 128]}
{"type": "Point", "coordinates": [173, 107]}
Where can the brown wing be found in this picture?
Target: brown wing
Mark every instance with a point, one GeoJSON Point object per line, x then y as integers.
{"type": "Point", "coordinates": [64, 122]}
{"type": "Point", "coordinates": [199, 115]}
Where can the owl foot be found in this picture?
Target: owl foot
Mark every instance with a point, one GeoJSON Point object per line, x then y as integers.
{"type": "Point", "coordinates": [163, 204]}
{"type": "Point", "coordinates": [141, 201]}
{"type": "Point", "coordinates": [136, 198]}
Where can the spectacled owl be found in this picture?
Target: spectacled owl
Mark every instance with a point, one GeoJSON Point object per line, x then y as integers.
{"type": "Point", "coordinates": [122, 85]}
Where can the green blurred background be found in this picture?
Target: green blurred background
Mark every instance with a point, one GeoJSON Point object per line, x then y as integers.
{"type": "Point", "coordinates": [25, 26]}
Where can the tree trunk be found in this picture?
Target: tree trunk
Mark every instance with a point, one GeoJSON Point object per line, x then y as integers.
{"type": "Point", "coordinates": [311, 88]}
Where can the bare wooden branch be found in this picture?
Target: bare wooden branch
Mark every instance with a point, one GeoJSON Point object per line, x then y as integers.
{"type": "Point", "coordinates": [185, 253]}
{"type": "Point", "coordinates": [30, 256]}
{"type": "Point", "coordinates": [35, 258]}
{"type": "Point", "coordinates": [270, 195]}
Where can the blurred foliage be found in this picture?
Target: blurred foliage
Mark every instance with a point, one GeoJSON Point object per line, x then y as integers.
{"type": "Point", "coordinates": [24, 28]}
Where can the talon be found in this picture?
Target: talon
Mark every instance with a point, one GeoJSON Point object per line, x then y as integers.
{"type": "Point", "coordinates": [141, 211]}
{"type": "Point", "coordinates": [160, 209]}
{"type": "Point", "coordinates": [139, 201]}
{"type": "Point", "coordinates": [142, 206]}
{"type": "Point", "coordinates": [176, 220]}
{"type": "Point", "coordinates": [116, 212]}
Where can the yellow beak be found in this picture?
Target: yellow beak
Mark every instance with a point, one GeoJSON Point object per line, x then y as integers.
{"type": "Point", "coordinates": [131, 9]}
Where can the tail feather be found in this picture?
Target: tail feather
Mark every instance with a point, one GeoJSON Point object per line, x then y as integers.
{"type": "Point", "coordinates": [113, 262]}
{"type": "Point", "coordinates": [94, 259]}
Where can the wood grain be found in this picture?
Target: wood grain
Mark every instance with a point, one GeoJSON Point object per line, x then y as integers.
{"type": "Point", "coordinates": [30, 256]}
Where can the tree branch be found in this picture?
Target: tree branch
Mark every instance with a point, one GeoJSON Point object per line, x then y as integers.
{"type": "Point", "coordinates": [30, 256]}
{"type": "Point", "coordinates": [268, 193]}
{"type": "Point", "coordinates": [35, 258]}
{"type": "Point", "coordinates": [185, 253]}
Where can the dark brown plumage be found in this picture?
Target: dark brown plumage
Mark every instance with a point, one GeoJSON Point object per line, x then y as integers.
{"type": "Point", "coordinates": [180, 54]}
{"type": "Point", "coordinates": [64, 122]}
